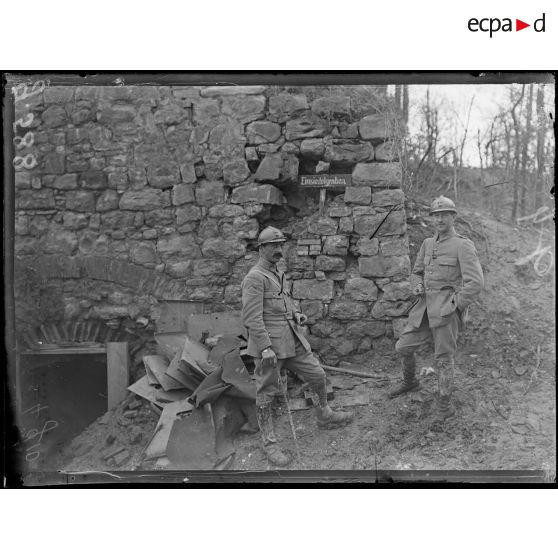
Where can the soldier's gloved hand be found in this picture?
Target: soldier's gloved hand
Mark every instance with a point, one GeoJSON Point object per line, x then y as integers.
{"type": "Point", "coordinates": [300, 318]}
{"type": "Point", "coordinates": [269, 358]}
{"type": "Point", "coordinates": [418, 289]}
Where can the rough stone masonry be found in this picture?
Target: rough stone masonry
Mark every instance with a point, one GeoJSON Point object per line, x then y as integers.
{"type": "Point", "coordinates": [148, 193]}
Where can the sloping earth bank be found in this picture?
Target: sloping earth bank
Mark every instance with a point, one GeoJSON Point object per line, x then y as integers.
{"type": "Point", "coordinates": [505, 388]}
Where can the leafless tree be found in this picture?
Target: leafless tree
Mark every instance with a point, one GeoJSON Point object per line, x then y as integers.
{"type": "Point", "coordinates": [525, 142]}
{"type": "Point", "coordinates": [516, 140]}
{"type": "Point", "coordinates": [541, 129]}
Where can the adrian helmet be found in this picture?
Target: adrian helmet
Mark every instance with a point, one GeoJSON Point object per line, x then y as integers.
{"type": "Point", "coordinates": [271, 235]}
{"type": "Point", "coordinates": [442, 204]}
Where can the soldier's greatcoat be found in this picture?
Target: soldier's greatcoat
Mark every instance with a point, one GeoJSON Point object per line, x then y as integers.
{"type": "Point", "coordinates": [268, 312]}
{"type": "Point", "coordinates": [452, 277]}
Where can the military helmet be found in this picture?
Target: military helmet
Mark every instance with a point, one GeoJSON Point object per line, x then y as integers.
{"type": "Point", "coordinates": [271, 235]}
{"type": "Point", "coordinates": [442, 204]}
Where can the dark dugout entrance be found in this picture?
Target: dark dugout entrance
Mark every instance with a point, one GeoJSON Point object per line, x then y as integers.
{"type": "Point", "coordinates": [60, 396]}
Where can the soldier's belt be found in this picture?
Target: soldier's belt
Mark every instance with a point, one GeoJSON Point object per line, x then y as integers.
{"type": "Point", "coordinates": [277, 317]}
{"type": "Point", "coordinates": [444, 288]}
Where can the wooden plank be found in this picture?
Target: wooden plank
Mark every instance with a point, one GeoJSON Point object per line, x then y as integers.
{"type": "Point", "coordinates": [215, 323]}
{"type": "Point", "coordinates": [345, 400]}
{"type": "Point", "coordinates": [360, 368]}
{"type": "Point", "coordinates": [68, 351]}
{"type": "Point", "coordinates": [350, 372]}
{"type": "Point", "coordinates": [118, 372]}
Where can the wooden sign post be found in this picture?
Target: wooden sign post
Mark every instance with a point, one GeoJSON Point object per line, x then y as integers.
{"type": "Point", "coordinates": [325, 182]}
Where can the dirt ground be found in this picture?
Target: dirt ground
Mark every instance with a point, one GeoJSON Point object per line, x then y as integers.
{"type": "Point", "coordinates": [505, 387]}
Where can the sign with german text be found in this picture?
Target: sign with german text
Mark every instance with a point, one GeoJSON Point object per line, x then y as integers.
{"type": "Point", "coordinates": [327, 181]}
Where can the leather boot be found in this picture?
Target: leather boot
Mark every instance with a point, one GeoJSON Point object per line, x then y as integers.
{"type": "Point", "coordinates": [330, 419]}
{"type": "Point", "coordinates": [445, 408]}
{"type": "Point", "coordinates": [446, 372]}
{"type": "Point", "coordinates": [273, 451]}
{"type": "Point", "coordinates": [410, 382]}
{"type": "Point", "coordinates": [327, 417]}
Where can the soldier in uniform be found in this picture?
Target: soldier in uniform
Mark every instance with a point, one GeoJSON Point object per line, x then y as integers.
{"type": "Point", "coordinates": [272, 319]}
{"type": "Point", "coordinates": [447, 278]}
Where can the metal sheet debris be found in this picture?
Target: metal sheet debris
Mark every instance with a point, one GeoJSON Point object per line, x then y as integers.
{"type": "Point", "coordinates": [154, 394]}
{"type": "Point", "coordinates": [235, 374]}
{"type": "Point", "coordinates": [180, 373]}
{"type": "Point", "coordinates": [191, 444]}
{"type": "Point", "coordinates": [228, 419]}
{"type": "Point", "coordinates": [214, 324]}
{"type": "Point", "coordinates": [156, 367]}
{"type": "Point", "coordinates": [158, 445]}
{"type": "Point", "coordinates": [232, 378]}
{"type": "Point", "coordinates": [225, 344]}
{"type": "Point", "coordinates": [163, 396]}
{"type": "Point", "coordinates": [192, 352]}
{"type": "Point", "coordinates": [143, 389]}
{"type": "Point", "coordinates": [170, 342]}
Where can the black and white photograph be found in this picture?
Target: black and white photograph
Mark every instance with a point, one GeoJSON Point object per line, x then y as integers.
{"type": "Point", "coordinates": [284, 275]}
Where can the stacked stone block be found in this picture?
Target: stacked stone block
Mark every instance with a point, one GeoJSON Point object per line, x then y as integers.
{"type": "Point", "coordinates": [175, 183]}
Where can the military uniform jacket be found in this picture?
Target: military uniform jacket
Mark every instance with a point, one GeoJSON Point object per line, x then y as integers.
{"type": "Point", "coordinates": [268, 312]}
{"type": "Point", "coordinates": [452, 278]}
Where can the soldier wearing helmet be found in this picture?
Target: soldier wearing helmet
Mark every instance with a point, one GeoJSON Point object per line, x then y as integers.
{"type": "Point", "coordinates": [447, 278]}
{"type": "Point", "coordinates": [272, 319]}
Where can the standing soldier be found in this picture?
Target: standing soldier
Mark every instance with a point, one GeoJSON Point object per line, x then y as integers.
{"type": "Point", "coordinates": [447, 277]}
{"type": "Point", "coordinates": [272, 318]}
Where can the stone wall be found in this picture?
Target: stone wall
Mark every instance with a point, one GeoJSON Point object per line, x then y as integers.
{"type": "Point", "coordinates": [145, 193]}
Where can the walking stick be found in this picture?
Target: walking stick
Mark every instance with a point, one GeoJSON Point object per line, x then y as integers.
{"type": "Point", "coordinates": [284, 393]}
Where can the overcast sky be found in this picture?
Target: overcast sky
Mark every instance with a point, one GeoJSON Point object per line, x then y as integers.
{"type": "Point", "coordinates": [488, 100]}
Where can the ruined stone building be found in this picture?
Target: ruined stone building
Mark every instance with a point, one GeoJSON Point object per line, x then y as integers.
{"type": "Point", "coordinates": [147, 199]}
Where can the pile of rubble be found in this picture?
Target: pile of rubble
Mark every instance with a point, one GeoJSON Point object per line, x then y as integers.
{"type": "Point", "coordinates": [203, 393]}
{"type": "Point", "coordinates": [194, 399]}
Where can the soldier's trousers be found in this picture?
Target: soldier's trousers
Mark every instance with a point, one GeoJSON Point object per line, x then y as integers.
{"type": "Point", "coordinates": [444, 337]}
{"type": "Point", "coordinates": [445, 345]}
{"type": "Point", "coordinates": [268, 377]}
